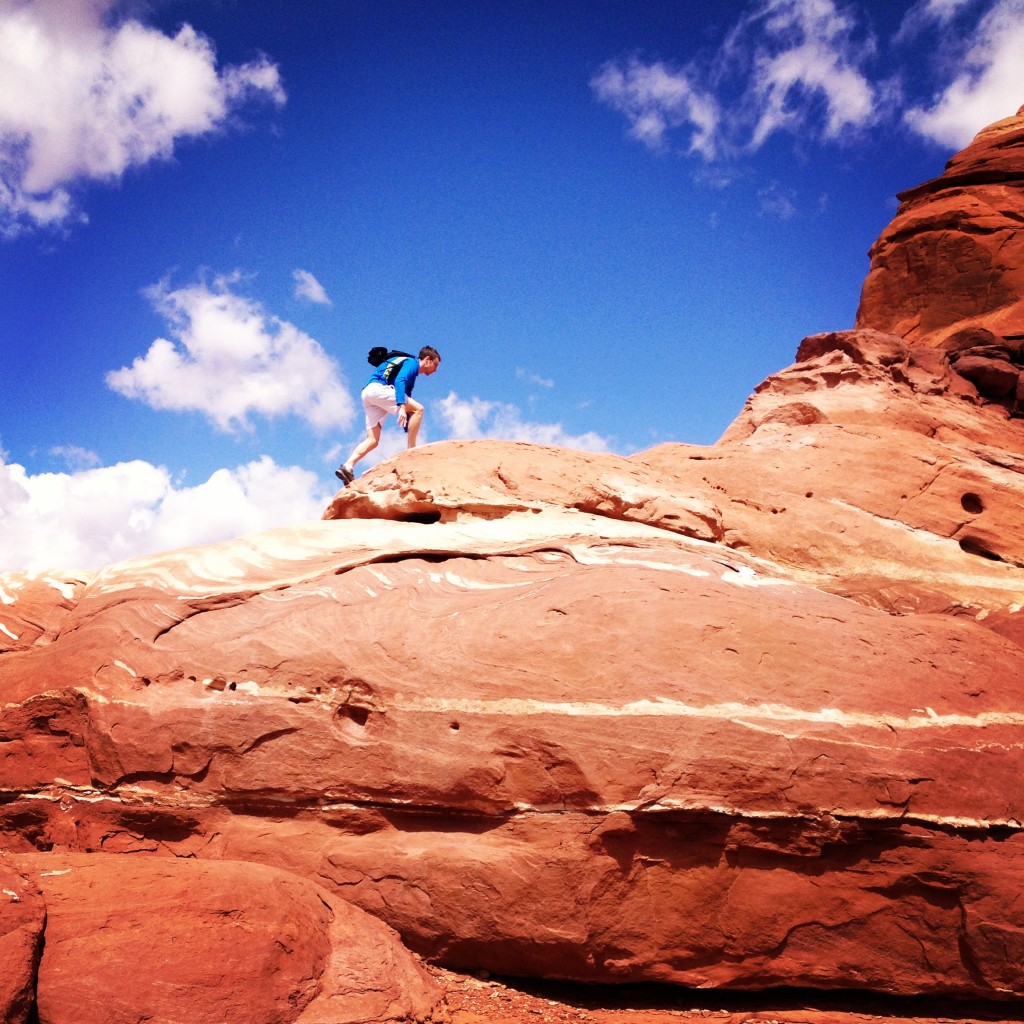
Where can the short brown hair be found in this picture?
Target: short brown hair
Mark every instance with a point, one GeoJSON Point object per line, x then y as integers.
{"type": "Point", "coordinates": [429, 352]}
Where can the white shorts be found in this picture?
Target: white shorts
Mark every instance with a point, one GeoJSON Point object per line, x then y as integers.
{"type": "Point", "coordinates": [378, 402]}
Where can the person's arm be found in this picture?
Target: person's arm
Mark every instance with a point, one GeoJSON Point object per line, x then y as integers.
{"type": "Point", "coordinates": [405, 380]}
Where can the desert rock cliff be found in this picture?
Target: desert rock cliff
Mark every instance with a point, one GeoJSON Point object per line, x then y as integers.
{"type": "Point", "coordinates": [741, 716]}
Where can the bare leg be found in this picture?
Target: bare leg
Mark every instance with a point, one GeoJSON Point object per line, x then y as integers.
{"type": "Point", "coordinates": [415, 414]}
{"type": "Point", "coordinates": [364, 447]}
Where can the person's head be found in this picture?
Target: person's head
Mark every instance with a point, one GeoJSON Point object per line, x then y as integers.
{"type": "Point", "coordinates": [430, 360]}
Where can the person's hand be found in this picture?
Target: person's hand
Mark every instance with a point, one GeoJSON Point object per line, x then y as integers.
{"type": "Point", "coordinates": [403, 417]}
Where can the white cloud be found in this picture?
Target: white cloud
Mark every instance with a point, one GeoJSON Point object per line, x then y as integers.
{"type": "Point", "coordinates": [796, 62]}
{"type": "Point", "coordinates": [654, 99]}
{"type": "Point", "coordinates": [808, 54]}
{"type": "Point", "coordinates": [475, 418]}
{"type": "Point", "coordinates": [85, 100]}
{"type": "Point", "coordinates": [308, 287]}
{"type": "Point", "coordinates": [230, 359]}
{"type": "Point", "coordinates": [987, 80]}
{"type": "Point", "coordinates": [804, 67]}
{"type": "Point", "coordinates": [85, 520]}
{"type": "Point", "coordinates": [534, 378]}
{"type": "Point", "coordinates": [76, 457]}
{"type": "Point", "coordinates": [927, 14]}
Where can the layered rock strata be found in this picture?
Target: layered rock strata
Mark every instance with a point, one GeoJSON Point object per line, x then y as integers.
{"type": "Point", "coordinates": [742, 716]}
{"type": "Point", "coordinates": [745, 715]}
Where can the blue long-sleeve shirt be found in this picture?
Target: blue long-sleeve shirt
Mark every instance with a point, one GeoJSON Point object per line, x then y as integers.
{"type": "Point", "coordinates": [405, 379]}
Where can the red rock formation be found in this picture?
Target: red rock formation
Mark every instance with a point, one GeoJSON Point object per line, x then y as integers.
{"type": "Point", "coordinates": [875, 470]}
{"type": "Point", "coordinates": [33, 605]}
{"type": "Point", "coordinates": [22, 920]}
{"type": "Point", "coordinates": [949, 270]}
{"type": "Point", "coordinates": [166, 939]}
{"type": "Point", "coordinates": [561, 734]}
{"type": "Point", "coordinates": [747, 715]}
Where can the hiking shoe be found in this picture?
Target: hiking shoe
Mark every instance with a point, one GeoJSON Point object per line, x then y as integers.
{"type": "Point", "coordinates": [346, 476]}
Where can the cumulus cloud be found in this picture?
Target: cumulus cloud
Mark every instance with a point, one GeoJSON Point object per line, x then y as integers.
{"type": "Point", "coordinates": [88, 519]}
{"type": "Point", "coordinates": [476, 418]}
{"type": "Point", "coordinates": [84, 99]}
{"type": "Point", "coordinates": [987, 81]}
{"type": "Point", "coordinates": [309, 288]}
{"type": "Point", "coordinates": [228, 359]}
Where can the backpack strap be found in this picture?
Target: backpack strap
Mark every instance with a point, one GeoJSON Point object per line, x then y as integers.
{"type": "Point", "coordinates": [395, 360]}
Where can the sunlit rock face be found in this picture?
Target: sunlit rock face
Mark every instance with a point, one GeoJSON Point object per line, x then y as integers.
{"type": "Point", "coordinates": [22, 923]}
{"type": "Point", "coordinates": [948, 271]}
{"type": "Point", "coordinates": [204, 941]}
{"type": "Point", "coordinates": [875, 470]}
{"type": "Point", "coordinates": [32, 605]}
{"type": "Point", "coordinates": [745, 715]}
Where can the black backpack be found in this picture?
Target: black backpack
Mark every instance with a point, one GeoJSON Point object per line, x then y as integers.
{"type": "Point", "coordinates": [379, 354]}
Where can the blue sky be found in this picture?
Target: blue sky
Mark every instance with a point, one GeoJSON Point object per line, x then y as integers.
{"type": "Point", "coordinates": [613, 218]}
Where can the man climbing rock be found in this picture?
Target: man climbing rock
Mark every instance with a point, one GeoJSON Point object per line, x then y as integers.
{"type": "Point", "coordinates": [389, 390]}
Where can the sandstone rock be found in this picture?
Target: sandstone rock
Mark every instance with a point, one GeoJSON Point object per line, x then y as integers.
{"type": "Point", "coordinates": [163, 939]}
{"type": "Point", "coordinates": [747, 715]}
{"type": "Point", "coordinates": [22, 919]}
{"type": "Point", "coordinates": [993, 376]}
{"type": "Point", "coordinates": [953, 257]}
{"type": "Point", "coordinates": [493, 479]}
{"type": "Point", "coordinates": [898, 499]}
{"type": "Point", "coordinates": [551, 742]}
{"type": "Point", "coordinates": [42, 599]}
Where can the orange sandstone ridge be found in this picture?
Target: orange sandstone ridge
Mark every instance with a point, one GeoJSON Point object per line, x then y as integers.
{"type": "Point", "coordinates": [736, 717]}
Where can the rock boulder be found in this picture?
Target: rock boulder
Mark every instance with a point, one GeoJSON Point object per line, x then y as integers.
{"type": "Point", "coordinates": [167, 939]}
{"type": "Point", "coordinates": [22, 922]}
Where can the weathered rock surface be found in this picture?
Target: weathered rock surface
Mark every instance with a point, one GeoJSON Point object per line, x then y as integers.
{"type": "Point", "coordinates": [745, 715]}
{"type": "Point", "coordinates": [33, 605]}
{"type": "Point", "coordinates": [22, 920]}
{"type": "Point", "coordinates": [542, 737]}
{"type": "Point", "coordinates": [164, 939]}
{"type": "Point", "coordinates": [948, 271]}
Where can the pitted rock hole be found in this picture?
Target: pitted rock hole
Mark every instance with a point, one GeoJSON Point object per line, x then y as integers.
{"type": "Point", "coordinates": [418, 517]}
{"type": "Point", "coordinates": [972, 503]}
{"type": "Point", "coordinates": [973, 546]}
{"type": "Point", "coordinates": [353, 713]}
